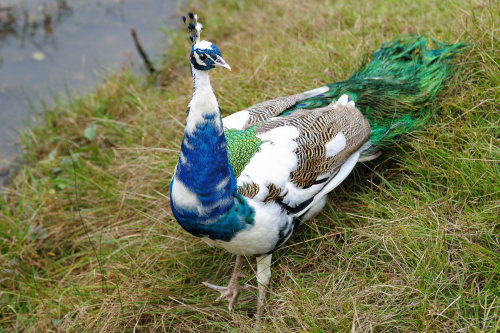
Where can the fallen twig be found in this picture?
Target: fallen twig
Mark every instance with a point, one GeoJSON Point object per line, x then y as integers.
{"type": "Point", "coordinates": [143, 54]}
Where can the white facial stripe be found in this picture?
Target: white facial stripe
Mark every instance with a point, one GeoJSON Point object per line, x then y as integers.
{"type": "Point", "coordinates": [210, 57]}
{"type": "Point", "coordinates": [198, 60]}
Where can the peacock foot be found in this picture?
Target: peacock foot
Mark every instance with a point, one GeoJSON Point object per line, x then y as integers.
{"type": "Point", "coordinates": [229, 293]}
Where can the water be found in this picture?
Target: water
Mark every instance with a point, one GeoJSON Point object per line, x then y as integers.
{"type": "Point", "coordinates": [48, 47]}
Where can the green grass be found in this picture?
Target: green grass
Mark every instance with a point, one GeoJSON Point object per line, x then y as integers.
{"type": "Point", "coordinates": [408, 243]}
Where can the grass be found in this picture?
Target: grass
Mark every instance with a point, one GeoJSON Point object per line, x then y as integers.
{"type": "Point", "coordinates": [409, 243]}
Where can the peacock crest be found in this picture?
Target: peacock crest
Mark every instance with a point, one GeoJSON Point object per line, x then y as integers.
{"type": "Point", "coordinates": [194, 27]}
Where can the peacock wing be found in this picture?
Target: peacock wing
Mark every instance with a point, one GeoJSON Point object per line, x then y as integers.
{"type": "Point", "coordinates": [264, 111]}
{"type": "Point", "coordinates": [300, 153]}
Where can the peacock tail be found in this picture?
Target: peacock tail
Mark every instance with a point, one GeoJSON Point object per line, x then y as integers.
{"type": "Point", "coordinates": [394, 89]}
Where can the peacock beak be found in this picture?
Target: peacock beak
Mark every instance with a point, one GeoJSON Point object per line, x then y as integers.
{"type": "Point", "coordinates": [220, 62]}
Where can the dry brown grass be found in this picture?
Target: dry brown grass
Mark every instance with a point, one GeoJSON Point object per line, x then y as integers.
{"type": "Point", "coordinates": [409, 243]}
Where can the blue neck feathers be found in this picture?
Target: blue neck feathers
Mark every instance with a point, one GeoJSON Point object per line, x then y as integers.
{"type": "Point", "coordinates": [203, 193]}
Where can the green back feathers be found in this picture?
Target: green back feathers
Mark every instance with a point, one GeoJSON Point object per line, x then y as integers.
{"type": "Point", "coordinates": [393, 89]}
{"type": "Point", "coordinates": [241, 146]}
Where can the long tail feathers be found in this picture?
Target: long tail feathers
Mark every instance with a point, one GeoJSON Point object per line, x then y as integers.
{"type": "Point", "coordinates": [393, 90]}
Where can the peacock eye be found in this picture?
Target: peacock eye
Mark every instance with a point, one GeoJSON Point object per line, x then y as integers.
{"type": "Point", "coordinates": [203, 56]}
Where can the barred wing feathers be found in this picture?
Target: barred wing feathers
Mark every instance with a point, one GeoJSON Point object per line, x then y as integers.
{"type": "Point", "coordinates": [263, 111]}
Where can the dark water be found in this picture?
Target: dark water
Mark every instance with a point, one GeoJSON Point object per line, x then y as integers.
{"type": "Point", "coordinates": [48, 47]}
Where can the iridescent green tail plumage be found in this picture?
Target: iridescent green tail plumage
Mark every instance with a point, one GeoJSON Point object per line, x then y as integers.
{"type": "Point", "coordinates": [393, 90]}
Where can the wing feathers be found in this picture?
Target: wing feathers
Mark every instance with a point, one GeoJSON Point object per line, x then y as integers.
{"type": "Point", "coordinates": [266, 110]}
{"type": "Point", "coordinates": [296, 170]}
{"type": "Point", "coordinates": [344, 171]}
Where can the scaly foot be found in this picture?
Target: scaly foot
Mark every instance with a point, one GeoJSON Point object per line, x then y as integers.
{"type": "Point", "coordinates": [229, 293]}
{"type": "Point", "coordinates": [232, 291]}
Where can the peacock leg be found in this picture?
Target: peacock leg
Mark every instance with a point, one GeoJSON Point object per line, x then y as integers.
{"type": "Point", "coordinates": [263, 277]}
{"type": "Point", "coordinates": [233, 289]}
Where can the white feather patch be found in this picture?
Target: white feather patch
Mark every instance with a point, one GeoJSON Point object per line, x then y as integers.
{"type": "Point", "coordinates": [183, 197]}
{"type": "Point", "coordinates": [236, 120]}
{"type": "Point", "coordinates": [343, 100]}
{"type": "Point", "coordinates": [335, 146]}
{"type": "Point", "coordinates": [277, 149]}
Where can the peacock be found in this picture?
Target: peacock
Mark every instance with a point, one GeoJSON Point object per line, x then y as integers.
{"type": "Point", "coordinates": [245, 182]}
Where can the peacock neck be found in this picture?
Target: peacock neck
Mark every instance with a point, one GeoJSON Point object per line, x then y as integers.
{"type": "Point", "coordinates": [203, 164]}
{"type": "Point", "coordinates": [203, 189]}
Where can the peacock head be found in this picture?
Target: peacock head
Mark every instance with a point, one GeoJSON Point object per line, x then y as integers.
{"type": "Point", "coordinates": [204, 55]}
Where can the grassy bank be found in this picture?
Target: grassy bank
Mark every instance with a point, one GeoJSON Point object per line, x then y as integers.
{"type": "Point", "coordinates": [409, 243]}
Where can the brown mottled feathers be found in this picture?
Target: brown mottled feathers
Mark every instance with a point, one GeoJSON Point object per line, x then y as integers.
{"type": "Point", "coordinates": [249, 190]}
{"type": "Point", "coordinates": [274, 192]}
{"type": "Point", "coordinates": [317, 128]}
{"type": "Point", "coordinates": [268, 109]}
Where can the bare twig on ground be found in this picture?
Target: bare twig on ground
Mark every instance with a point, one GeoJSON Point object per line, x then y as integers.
{"type": "Point", "coordinates": [141, 51]}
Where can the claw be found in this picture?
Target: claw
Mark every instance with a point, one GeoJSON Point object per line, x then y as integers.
{"type": "Point", "coordinates": [232, 291]}
{"type": "Point", "coordinates": [229, 293]}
